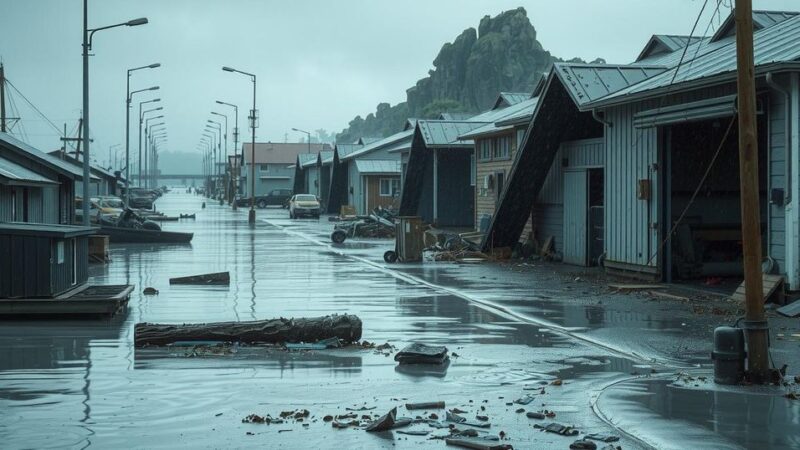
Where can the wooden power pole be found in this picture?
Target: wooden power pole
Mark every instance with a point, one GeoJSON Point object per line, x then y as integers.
{"type": "Point", "coordinates": [755, 320]}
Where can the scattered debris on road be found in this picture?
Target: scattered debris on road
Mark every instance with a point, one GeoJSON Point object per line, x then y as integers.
{"type": "Point", "coordinates": [419, 353]}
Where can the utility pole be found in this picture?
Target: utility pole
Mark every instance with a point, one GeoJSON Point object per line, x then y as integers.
{"type": "Point", "coordinates": [2, 99]}
{"type": "Point", "coordinates": [755, 322]}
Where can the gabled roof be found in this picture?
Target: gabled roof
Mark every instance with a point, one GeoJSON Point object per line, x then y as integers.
{"type": "Point", "coordinates": [521, 112]}
{"type": "Point", "coordinates": [96, 170]}
{"type": "Point", "coordinates": [410, 124]}
{"type": "Point", "coordinates": [325, 157]}
{"type": "Point", "coordinates": [715, 61]}
{"type": "Point", "coordinates": [445, 134]}
{"type": "Point", "coordinates": [589, 82]}
{"type": "Point", "coordinates": [306, 159]}
{"type": "Point", "coordinates": [64, 168]}
{"type": "Point", "coordinates": [382, 144]}
{"type": "Point", "coordinates": [342, 150]}
{"type": "Point", "coordinates": [665, 43]}
{"type": "Point", "coordinates": [367, 140]}
{"type": "Point", "coordinates": [378, 166]}
{"type": "Point", "coordinates": [12, 173]}
{"type": "Point", "coordinates": [454, 115]}
{"type": "Point", "coordinates": [506, 99]}
{"type": "Point", "coordinates": [761, 20]}
{"type": "Point", "coordinates": [280, 152]}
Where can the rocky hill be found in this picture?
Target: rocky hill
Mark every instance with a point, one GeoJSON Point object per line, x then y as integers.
{"type": "Point", "coordinates": [503, 54]}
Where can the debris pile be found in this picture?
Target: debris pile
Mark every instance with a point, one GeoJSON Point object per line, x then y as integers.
{"type": "Point", "coordinates": [378, 224]}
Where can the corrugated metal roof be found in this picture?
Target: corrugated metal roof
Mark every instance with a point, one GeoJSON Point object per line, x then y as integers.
{"type": "Point", "coordinates": [376, 166]}
{"type": "Point", "coordinates": [345, 149]}
{"type": "Point", "coordinates": [307, 159]}
{"type": "Point", "coordinates": [515, 112]}
{"type": "Point", "coordinates": [50, 161]}
{"type": "Point", "coordinates": [505, 99]}
{"type": "Point", "coordinates": [325, 157]}
{"type": "Point", "coordinates": [761, 20]}
{"type": "Point", "coordinates": [455, 116]}
{"type": "Point", "coordinates": [13, 173]}
{"type": "Point", "coordinates": [367, 140]}
{"type": "Point", "coordinates": [401, 146]}
{"type": "Point", "coordinates": [383, 143]}
{"type": "Point", "coordinates": [778, 43]}
{"type": "Point", "coordinates": [589, 82]}
{"type": "Point", "coordinates": [280, 152]}
{"type": "Point", "coordinates": [660, 44]}
{"type": "Point", "coordinates": [439, 133]}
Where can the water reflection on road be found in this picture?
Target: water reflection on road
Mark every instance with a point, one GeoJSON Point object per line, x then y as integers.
{"type": "Point", "coordinates": [81, 384]}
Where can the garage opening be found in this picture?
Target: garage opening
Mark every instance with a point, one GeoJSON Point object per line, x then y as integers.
{"type": "Point", "coordinates": [706, 243]}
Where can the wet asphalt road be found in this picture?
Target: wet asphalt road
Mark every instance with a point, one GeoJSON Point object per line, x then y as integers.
{"type": "Point", "coordinates": [82, 384]}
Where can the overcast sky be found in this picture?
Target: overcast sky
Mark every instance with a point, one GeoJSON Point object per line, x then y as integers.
{"type": "Point", "coordinates": [319, 62]}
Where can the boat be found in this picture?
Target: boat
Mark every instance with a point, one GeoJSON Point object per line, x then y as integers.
{"type": "Point", "coordinates": [143, 235]}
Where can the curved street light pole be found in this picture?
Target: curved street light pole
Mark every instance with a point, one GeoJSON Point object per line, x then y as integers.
{"type": "Point", "coordinates": [251, 218]}
{"type": "Point", "coordinates": [234, 168]}
{"type": "Point", "coordinates": [224, 154]}
{"type": "Point", "coordinates": [88, 34]}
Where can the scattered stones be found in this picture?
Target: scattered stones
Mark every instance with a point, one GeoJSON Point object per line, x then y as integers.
{"type": "Point", "coordinates": [582, 444]}
{"type": "Point", "coordinates": [150, 291]}
{"type": "Point", "coordinates": [535, 415]}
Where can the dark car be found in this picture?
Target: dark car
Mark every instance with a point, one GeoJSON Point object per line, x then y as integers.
{"type": "Point", "coordinates": [276, 197]}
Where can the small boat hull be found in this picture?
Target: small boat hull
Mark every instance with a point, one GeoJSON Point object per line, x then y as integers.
{"type": "Point", "coordinates": [139, 235]}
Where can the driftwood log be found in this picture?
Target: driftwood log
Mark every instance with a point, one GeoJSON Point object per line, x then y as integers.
{"type": "Point", "coordinates": [275, 331]}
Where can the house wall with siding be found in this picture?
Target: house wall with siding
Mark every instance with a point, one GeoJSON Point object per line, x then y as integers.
{"type": "Point", "coordinates": [373, 188]}
{"type": "Point", "coordinates": [548, 211]}
{"type": "Point", "coordinates": [264, 185]}
{"type": "Point", "coordinates": [355, 180]}
{"type": "Point", "coordinates": [633, 154]}
{"type": "Point", "coordinates": [777, 179]}
{"type": "Point", "coordinates": [312, 180]}
{"type": "Point", "coordinates": [486, 197]}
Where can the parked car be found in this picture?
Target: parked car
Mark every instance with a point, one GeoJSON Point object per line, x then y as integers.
{"type": "Point", "coordinates": [276, 197]}
{"type": "Point", "coordinates": [304, 205]}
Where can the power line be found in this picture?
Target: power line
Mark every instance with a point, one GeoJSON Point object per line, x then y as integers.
{"type": "Point", "coordinates": [34, 107]}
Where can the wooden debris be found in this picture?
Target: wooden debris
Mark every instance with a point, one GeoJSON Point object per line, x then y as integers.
{"type": "Point", "coordinates": [635, 287]}
{"type": "Point", "coordinates": [274, 331]}
{"type": "Point", "coordinates": [426, 405]}
{"type": "Point", "coordinates": [773, 286]}
{"type": "Point", "coordinates": [219, 278]}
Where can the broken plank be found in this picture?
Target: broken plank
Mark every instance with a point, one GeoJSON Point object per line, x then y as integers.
{"type": "Point", "coordinates": [218, 278]}
{"type": "Point", "coordinates": [772, 285]}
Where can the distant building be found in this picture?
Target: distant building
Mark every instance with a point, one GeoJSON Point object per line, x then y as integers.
{"type": "Point", "coordinates": [274, 165]}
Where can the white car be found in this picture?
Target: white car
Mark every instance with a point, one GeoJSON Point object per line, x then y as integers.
{"type": "Point", "coordinates": [304, 205]}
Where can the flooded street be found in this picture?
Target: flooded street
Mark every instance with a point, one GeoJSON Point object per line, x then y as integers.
{"type": "Point", "coordinates": [83, 384]}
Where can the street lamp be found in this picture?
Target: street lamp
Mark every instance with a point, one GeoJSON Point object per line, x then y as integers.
{"type": "Point", "coordinates": [147, 127]}
{"type": "Point", "coordinates": [218, 127]}
{"type": "Point", "coordinates": [156, 131]}
{"type": "Point", "coordinates": [112, 161]}
{"type": "Point", "coordinates": [127, 128]}
{"type": "Point", "coordinates": [307, 134]}
{"type": "Point", "coordinates": [211, 140]}
{"type": "Point", "coordinates": [141, 120]}
{"type": "Point", "coordinates": [217, 131]}
{"type": "Point", "coordinates": [225, 154]}
{"type": "Point", "coordinates": [251, 218]}
{"type": "Point", "coordinates": [128, 96]}
{"type": "Point", "coordinates": [234, 174]}
{"type": "Point", "coordinates": [88, 34]}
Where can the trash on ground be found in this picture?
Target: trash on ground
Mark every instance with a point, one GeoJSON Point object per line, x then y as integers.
{"type": "Point", "coordinates": [388, 421]}
{"type": "Point", "coordinates": [535, 415]}
{"type": "Point", "coordinates": [345, 327]}
{"type": "Point", "coordinates": [582, 444]}
{"type": "Point", "coordinates": [525, 400]}
{"type": "Point", "coordinates": [218, 278]}
{"type": "Point", "coordinates": [557, 428]}
{"type": "Point", "coordinates": [320, 345]}
{"type": "Point", "coordinates": [790, 310]}
{"type": "Point", "coordinates": [378, 224]}
{"type": "Point", "coordinates": [419, 353]}
{"type": "Point", "coordinates": [150, 291]}
{"type": "Point", "coordinates": [427, 405]}
{"type": "Point", "coordinates": [477, 444]}
{"type": "Point", "coordinates": [602, 437]}
{"type": "Point", "coordinates": [414, 432]}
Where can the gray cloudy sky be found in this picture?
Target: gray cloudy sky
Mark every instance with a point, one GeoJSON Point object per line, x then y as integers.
{"type": "Point", "coordinates": [319, 62]}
